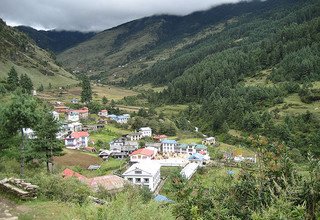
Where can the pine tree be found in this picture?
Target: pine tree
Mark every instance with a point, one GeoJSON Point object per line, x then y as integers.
{"type": "Point", "coordinates": [13, 79]}
{"type": "Point", "coordinates": [20, 114]}
{"type": "Point", "coordinates": [86, 94]}
{"type": "Point", "coordinates": [26, 83]}
{"type": "Point", "coordinates": [45, 146]}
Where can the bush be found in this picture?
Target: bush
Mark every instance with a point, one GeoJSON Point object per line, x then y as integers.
{"type": "Point", "coordinates": [55, 187]}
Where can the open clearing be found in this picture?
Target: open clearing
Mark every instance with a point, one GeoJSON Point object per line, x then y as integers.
{"type": "Point", "coordinates": [98, 92]}
{"type": "Point", "coordinates": [77, 158]}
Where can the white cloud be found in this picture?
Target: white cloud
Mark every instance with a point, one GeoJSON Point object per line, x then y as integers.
{"type": "Point", "coordinates": [88, 15]}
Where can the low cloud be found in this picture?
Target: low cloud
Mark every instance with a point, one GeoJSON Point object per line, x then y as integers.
{"type": "Point", "coordinates": [88, 15]}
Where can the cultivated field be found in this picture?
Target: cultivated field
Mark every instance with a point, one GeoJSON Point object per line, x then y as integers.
{"type": "Point", "coordinates": [77, 158]}
{"type": "Point", "coordinates": [110, 92]}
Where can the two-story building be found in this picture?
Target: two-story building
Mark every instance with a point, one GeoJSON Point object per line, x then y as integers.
{"type": "Point", "coordinates": [134, 136]}
{"type": "Point", "coordinates": [146, 173]}
{"type": "Point", "coordinates": [209, 141]}
{"type": "Point", "coordinates": [142, 154]}
{"type": "Point", "coordinates": [77, 140]}
{"type": "Point", "coordinates": [73, 116]}
{"type": "Point", "coordinates": [146, 131]}
{"type": "Point", "coordinates": [103, 113]}
{"type": "Point", "coordinates": [168, 146]}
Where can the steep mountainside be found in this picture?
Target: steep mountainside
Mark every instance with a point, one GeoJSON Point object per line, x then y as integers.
{"type": "Point", "coordinates": [130, 48]}
{"type": "Point", "coordinates": [55, 41]}
{"type": "Point", "coordinates": [16, 49]}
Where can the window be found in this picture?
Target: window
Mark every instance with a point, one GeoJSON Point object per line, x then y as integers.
{"type": "Point", "coordinates": [138, 180]}
{"type": "Point", "coordinates": [130, 179]}
{"type": "Point", "coordinates": [138, 172]}
{"type": "Point", "coordinates": [146, 180]}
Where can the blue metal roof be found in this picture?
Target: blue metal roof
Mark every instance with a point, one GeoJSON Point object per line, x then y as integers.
{"type": "Point", "coordinates": [161, 198]}
{"type": "Point", "coordinates": [169, 142]}
{"type": "Point", "coordinates": [196, 156]}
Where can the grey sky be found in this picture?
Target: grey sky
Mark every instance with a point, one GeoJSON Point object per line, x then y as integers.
{"type": "Point", "coordinates": [88, 15]}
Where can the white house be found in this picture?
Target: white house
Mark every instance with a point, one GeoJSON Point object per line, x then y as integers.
{"type": "Point", "coordinates": [142, 154]}
{"type": "Point", "coordinates": [55, 115]}
{"type": "Point", "coordinates": [146, 173]}
{"type": "Point", "coordinates": [168, 146]}
{"type": "Point", "coordinates": [73, 116]}
{"type": "Point", "coordinates": [77, 140]}
{"type": "Point", "coordinates": [29, 133]}
{"type": "Point", "coordinates": [76, 126]}
{"type": "Point", "coordinates": [209, 141]}
{"type": "Point", "coordinates": [121, 119]}
{"type": "Point", "coordinates": [146, 131]}
{"type": "Point", "coordinates": [103, 113]}
{"type": "Point", "coordinates": [135, 136]}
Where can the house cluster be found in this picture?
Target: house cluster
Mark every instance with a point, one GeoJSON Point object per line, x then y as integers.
{"type": "Point", "coordinates": [124, 146]}
{"type": "Point", "coordinates": [120, 119]}
{"type": "Point", "coordinates": [145, 168]}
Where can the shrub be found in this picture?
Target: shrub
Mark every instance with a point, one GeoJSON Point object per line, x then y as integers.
{"type": "Point", "coordinates": [55, 187]}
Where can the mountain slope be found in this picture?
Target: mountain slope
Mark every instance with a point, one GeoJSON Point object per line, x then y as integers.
{"type": "Point", "coordinates": [55, 41]}
{"type": "Point", "coordinates": [19, 51]}
{"type": "Point", "coordinates": [130, 48]}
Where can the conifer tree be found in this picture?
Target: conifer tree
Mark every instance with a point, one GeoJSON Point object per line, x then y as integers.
{"type": "Point", "coordinates": [26, 83]}
{"type": "Point", "coordinates": [86, 94]}
{"type": "Point", "coordinates": [13, 79]}
{"type": "Point", "coordinates": [20, 114]}
{"type": "Point", "coordinates": [45, 146]}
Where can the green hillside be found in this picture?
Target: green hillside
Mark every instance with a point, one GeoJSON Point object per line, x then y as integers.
{"type": "Point", "coordinates": [115, 54]}
{"type": "Point", "coordinates": [19, 51]}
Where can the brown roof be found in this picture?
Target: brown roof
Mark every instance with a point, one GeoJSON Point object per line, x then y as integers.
{"type": "Point", "coordinates": [109, 182]}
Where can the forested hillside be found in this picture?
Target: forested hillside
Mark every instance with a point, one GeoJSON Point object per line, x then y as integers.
{"type": "Point", "coordinates": [17, 50]}
{"type": "Point", "coordinates": [128, 49]}
{"type": "Point", "coordinates": [280, 46]}
{"type": "Point", "coordinates": [54, 40]}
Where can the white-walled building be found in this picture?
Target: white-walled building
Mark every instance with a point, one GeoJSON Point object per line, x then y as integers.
{"type": "Point", "coordinates": [168, 146]}
{"type": "Point", "coordinates": [134, 136]}
{"type": "Point", "coordinates": [103, 113]}
{"type": "Point", "coordinates": [55, 115]}
{"type": "Point", "coordinates": [209, 141]}
{"type": "Point", "coordinates": [73, 116]}
{"type": "Point", "coordinates": [142, 154]}
{"type": "Point", "coordinates": [146, 131]}
{"type": "Point", "coordinates": [77, 140]}
{"type": "Point", "coordinates": [145, 173]}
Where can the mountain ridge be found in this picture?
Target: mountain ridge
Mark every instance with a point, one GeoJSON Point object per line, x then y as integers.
{"type": "Point", "coordinates": [19, 51]}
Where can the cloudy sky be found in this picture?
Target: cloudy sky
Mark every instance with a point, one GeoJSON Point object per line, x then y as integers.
{"type": "Point", "coordinates": [92, 15]}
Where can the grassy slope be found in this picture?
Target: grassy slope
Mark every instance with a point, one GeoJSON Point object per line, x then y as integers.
{"type": "Point", "coordinates": [19, 51]}
{"type": "Point", "coordinates": [117, 62]}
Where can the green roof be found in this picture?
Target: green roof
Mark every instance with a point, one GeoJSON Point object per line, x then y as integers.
{"type": "Point", "coordinates": [201, 147]}
{"type": "Point", "coordinates": [183, 146]}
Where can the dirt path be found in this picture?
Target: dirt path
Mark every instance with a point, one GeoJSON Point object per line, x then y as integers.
{"type": "Point", "coordinates": [7, 209]}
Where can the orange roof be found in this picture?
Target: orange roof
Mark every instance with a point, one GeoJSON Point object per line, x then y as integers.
{"type": "Point", "coordinates": [70, 173]}
{"type": "Point", "coordinates": [62, 107]}
{"type": "Point", "coordinates": [143, 151]}
{"type": "Point", "coordinates": [79, 134]}
{"type": "Point", "coordinates": [160, 136]}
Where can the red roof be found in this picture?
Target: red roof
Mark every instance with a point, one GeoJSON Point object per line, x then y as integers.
{"type": "Point", "coordinates": [160, 136]}
{"type": "Point", "coordinates": [79, 134]}
{"type": "Point", "coordinates": [70, 173]}
{"type": "Point", "coordinates": [109, 182]}
{"type": "Point", "coordinates": [143, 151]}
